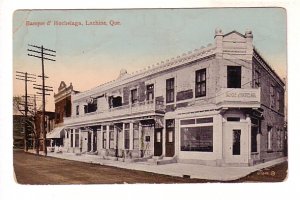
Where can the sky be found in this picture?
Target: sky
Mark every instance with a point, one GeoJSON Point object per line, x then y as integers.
{"type": "Point", "coordinates": [89, 55]}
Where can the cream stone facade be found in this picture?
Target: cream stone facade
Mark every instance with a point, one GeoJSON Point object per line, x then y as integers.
{"type": "Point", "coordinates": [207, 106]}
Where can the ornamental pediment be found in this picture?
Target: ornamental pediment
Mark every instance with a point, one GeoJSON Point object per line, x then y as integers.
{"type": "Point", "coordinates": [62, 86]}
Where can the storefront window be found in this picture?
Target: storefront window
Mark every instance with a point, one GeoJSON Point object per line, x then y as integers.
{"type": "Point", "coordinates": [197, 139]}
{"type": "Point", "coordinates": [76, 140]}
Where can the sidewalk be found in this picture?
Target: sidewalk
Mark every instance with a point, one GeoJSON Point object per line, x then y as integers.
{"type": "Point", "coordinates": [175, 169]}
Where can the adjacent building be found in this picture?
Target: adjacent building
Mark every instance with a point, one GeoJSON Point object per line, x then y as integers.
{"type": "Point", "coordinates": [63, 109]}
{"type": "Point", "coordinates": [49, 126]}
{"type": "Point", "coordinates": [218, 105]}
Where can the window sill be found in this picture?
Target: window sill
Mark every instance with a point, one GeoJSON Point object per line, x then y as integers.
{"type": "Point", "coordinates": [197, 97]}
{"type": "Point", "coordinates": [270, 151]}
{"type": "Point", "coordinates": [170, 103]}
{"type": "Point", "coordinates": [254, 153]}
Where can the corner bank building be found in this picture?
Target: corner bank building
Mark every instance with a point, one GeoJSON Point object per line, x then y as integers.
{"type": "Point", "coordinates": [220, 105]}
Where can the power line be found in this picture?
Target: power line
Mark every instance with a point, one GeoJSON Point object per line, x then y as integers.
{"type": "Point", "coordinates": [41, 52]}
{"type": "Point", "coordinates": [26, 77]}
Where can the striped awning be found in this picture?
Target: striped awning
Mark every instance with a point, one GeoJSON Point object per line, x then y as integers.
{"type": "Point", "coordinates": [57, 132]}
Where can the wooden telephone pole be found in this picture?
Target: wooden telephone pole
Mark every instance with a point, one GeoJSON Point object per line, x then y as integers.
{"type": "Point", "coordinates": [26, 77]}
{"type": "Point", "coordinates": [42, 53]}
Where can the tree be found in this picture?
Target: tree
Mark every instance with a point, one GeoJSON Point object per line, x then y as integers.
{"type": "Point", "coordinates": [30, 122]}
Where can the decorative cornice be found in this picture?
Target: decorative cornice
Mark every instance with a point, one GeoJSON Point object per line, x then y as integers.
{"type": "Point", "coordinates": [168, 64]}
{"type": "Point", "coordinates": [63, 94]}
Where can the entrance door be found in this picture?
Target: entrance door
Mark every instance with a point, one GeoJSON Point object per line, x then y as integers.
{"type": "Point", "coordinates": [89, 145]}
{"type": "Point", "coordinates": [236, 142]}
{"type": "Point", "coordinates": [158, 142]}
{"type": "Point", "coordinates": [170, 138]}
{"type": "Point", "coordinates": [170, 143]}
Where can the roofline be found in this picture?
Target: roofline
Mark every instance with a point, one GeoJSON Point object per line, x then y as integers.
{"type": "Point", "coordinates": [255, 51]}
{"type": "Point", "coordinates": [197, 54]}
{"type": "Point", "coordinates": [234, 31]}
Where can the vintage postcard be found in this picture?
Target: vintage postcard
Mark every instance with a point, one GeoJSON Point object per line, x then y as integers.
{"type": "Point", "coordinates": [150, 95]}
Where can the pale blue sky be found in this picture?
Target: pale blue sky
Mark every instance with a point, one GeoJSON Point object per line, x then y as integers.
{"type": "Point", "coordinates": [90, 55]}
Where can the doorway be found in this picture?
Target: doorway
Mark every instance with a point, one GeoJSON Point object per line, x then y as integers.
{"type": "Point", "coordinates": [170, 137]}
{"type": "Point", "coordinates": [158, 142]}
{"type": "Point", "coordinates": [236, 142]}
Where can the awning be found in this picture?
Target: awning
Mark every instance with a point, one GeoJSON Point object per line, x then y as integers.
{"type": "Point", "coordinates": [57, 132]}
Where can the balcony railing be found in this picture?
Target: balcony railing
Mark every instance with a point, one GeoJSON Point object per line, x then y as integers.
{"type": "Point", "coordinates": [131, 109]}
{"type": "Point", "coordinates": [238, 97]}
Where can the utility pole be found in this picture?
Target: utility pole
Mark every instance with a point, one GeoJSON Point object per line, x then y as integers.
{"type": "Point", "coordinates": [26, 77]}
{"type": "Point", "coordinates": [42, 53]}
{"type": "Point", "coordinates": [34, 98]}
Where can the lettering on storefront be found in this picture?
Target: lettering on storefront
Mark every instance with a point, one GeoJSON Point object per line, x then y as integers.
{"type": "Point", "coordinates": [241, 94]}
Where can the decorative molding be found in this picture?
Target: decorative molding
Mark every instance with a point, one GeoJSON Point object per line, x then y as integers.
{"type": "Point", "coordinates": [172, 63]}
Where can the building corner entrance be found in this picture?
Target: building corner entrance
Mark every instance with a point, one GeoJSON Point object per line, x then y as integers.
{"type": "Point", "coordinates": [236, 143]}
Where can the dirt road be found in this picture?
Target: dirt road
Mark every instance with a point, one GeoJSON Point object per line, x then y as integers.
{"type": "Point", "coordinates": [32, 169]}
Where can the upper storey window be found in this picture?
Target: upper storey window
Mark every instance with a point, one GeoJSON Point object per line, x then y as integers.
{"type": "Point", "coordinates": [272, 96]}
{"type": "Point", "coordinates": [77, 110]}
{"type": "Point", "coordinates": [91, 105]}
{"type": "Point", "coordinates": [150, 92]}
{"type": "Point", "coordinates": [200, 83]}
{"type": "Point", "coordinates": [234, 74]}
{"type": "Point", "coordinates": [170, 90]}
{"type": "Point", "coordinates": [134, 98]}
{"type": "Point", "coordinates": [256, 78]}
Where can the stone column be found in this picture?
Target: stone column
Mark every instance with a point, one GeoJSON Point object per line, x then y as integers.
{"type": "Point", "coordinates": [258, 143]}
{"type": "Point", "coordinates": [92, 140]}
{"type": "Point", "coordinates": [107, 137]}
{"type": "Point", "coordinates": [176, 137]}
{"type": "Point", "coordinates": [80, 139]}
{"type": "Point", "coordinates": [100, 137]}
{"type": "Point", "coordinates": [163, 140]}
{"type": "Point", "coordinates": [130, 136]}
{"type": "Point", "coordinates": [123, 134]}
{"type": "Point", "coordinates": [65, 139]}
{"type": "Point", "coordinates": [248, 134]}
{"type": "Point", "coordinates": [70, 137]}
{"type": "Point", "coordinates": [140, 138]}
{"type": "Point", "coordinates": [74, 136]}
{"type": "Point", "coordinates": [115, 137]}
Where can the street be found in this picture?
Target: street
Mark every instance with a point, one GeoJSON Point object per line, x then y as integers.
{"type": "Point", "coordinates": [33, 169]}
